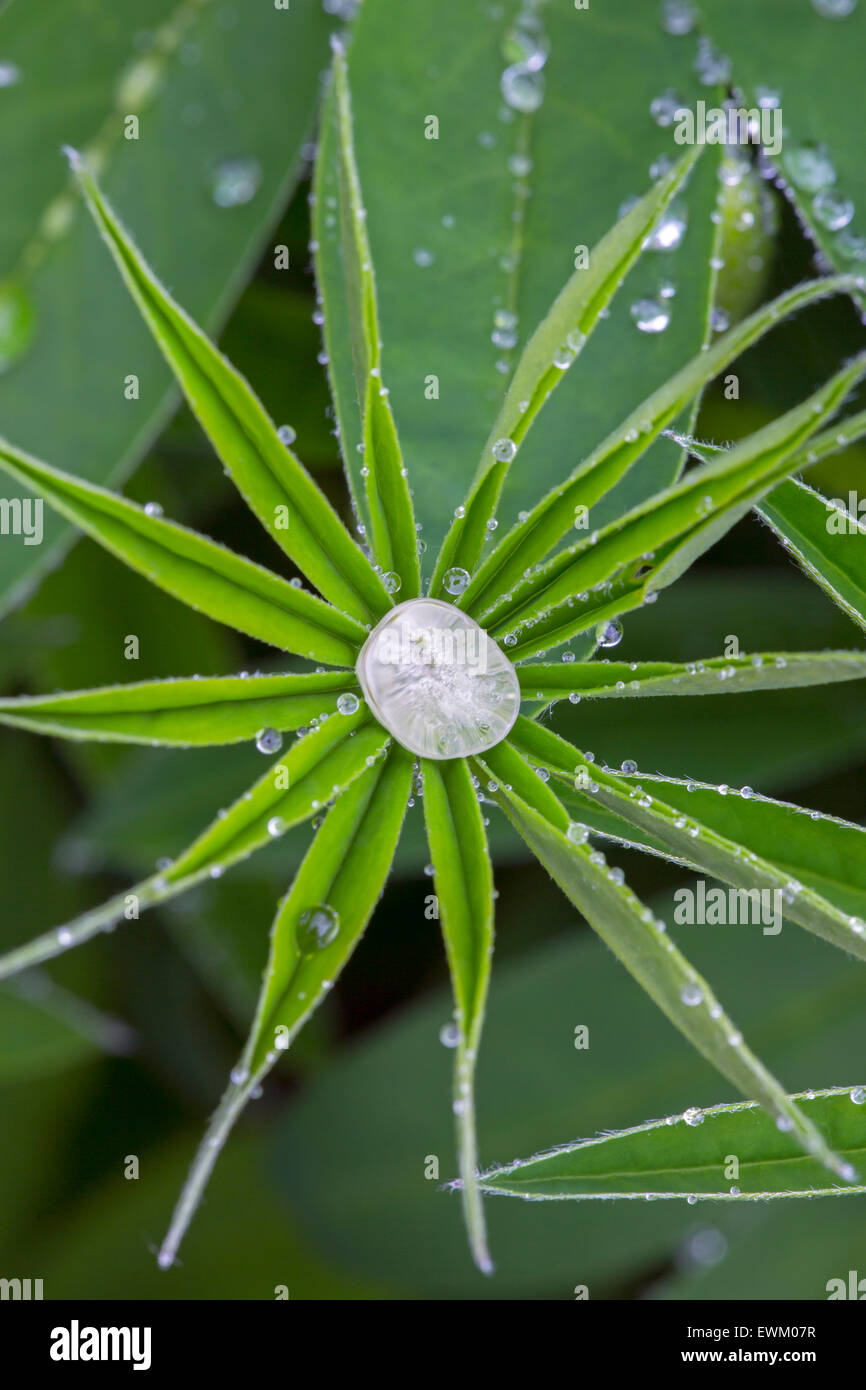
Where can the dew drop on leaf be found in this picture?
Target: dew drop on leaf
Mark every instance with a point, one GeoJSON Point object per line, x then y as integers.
{"type": "Point", "coordinates": [235, 182]}
{"type": "Point", "coordinates": [455, 580]}
{"type": "Point", "coordinates": [317, 927]}
{"type": "Point", "coordinates": [269, 741]}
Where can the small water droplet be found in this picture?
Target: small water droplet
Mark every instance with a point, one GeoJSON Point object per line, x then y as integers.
{"type": "Point", "coordinates": [276, 826]}
{"type": "Point", "coordinates": [834, 9]}
{"type": "Point", "coordinates": [609, 634]}
{"type": "Point", "coordinates": [650, 316]}
{"type": "Point", "coordinates": [9, 74]}
{"type": "Point", "coordinates": [422, 256]}
{"type": "Point", "coordinates": [455, 580]}
{"type": "Point", "coordinates": [691, 995]}
{"type": "Point", "coordinates": [809, 167]}
{"type": "Point", "coordinates": [348, 703]}
{"type": "Point", "coordinates": [663, 110]}
{"type": "Point", "coordinates": [235, 182]}
{"type": "Point", "coordinates": [831, 210]}
{"type": "Point", "coordinates": [152, 509]}
{"type": "Point", "coordinates": [269, 741]}
{"type": "Point", "coordinates": [317, 927]}
{"type": "Point", "coordinates": [628, 766]}
{"type": "Point", "coordinates": [449, 1035]}
{"type": "Point", "coordinates": [287, 434]}
{"type": "Point", "coordinates": [711, 66]}
{"type": "Point", "coordinates": [693, 1116]}
{"type": "Point", "coordinates": [504, 450]}
{"type": "Point", "coordinates": [678, 16]}
{"type": "Point", "coordinates": [858, 1095]}
{"type": "Point", "coordinates": [522, 87]}
{"type": "Point", "coordinates": [392, 581]}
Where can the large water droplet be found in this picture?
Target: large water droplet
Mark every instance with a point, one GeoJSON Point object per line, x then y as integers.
{"type": "Point", "coordinates": [392, 581]}
{"type": "Point", "coordinates": [17, 323]}
{"type": "Point", "coordinates": [858, 1095]}
{"type": "Point", "coordinates": [234, 182]}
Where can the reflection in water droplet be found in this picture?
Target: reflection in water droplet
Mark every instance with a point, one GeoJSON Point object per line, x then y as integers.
{"type": "Point", "coordinates": [650, 316]}
{"type": "Point", "coordinates": [287, 434]}
{"type": "Point", "coordinates": [392, 581]}
{"type": "Point", "coordinates": [234, 182]}
{"type": "Point", "coordinates": [269, 741]}
{"type": "Point", "coordinates": [317, 927]}
{"type": "Point", "coordinates": [17, 323]}
{"type": "Point", "coordinates": [348, 703]}
{"type": "Point", "coordinates": [455, 580]}
{"type": "Point", "coordinates": [831, 210]}
{"type": "Point", "coordinates": [609, 634]}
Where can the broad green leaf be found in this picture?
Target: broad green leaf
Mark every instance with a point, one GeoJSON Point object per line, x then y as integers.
{"type": "Point", "coordinates": [825, 539]}
{"type": "Point", "coordinates": [690, 841]}
{"type": "Point", "coordinates": [718, 675]}
{"type": "Point", "coordinates": [317, 767]}
{"type": "Point", "coordinates": [674, 529]}
{"type": "Point", "coordinates": [341, 879]}
{"type": "Point", "coordinates": [485, 220]}
{"type": "Point", "coordinates": [463, 882]}
{"type": "Point", "coordinates": [549, 520]}
{"type": "Point", "coordinates": [200, 573]}
{"type": "Point", "coordinates": [550, 352]}
{"type": "Point", "coordinates": [188, 75]}
{"type": "Point", "coordinates": [283, 496]}
{"type": "Point", "coordinates": [218, 709]}
{"type": "Point", "coordinates": [642, 943]}
{"type": "Point", "coordinates": [820, 152]}
{"type": "Point", "coordinates": [669, 1159]}
{"type": "Point", "coordinates": [388, 503]}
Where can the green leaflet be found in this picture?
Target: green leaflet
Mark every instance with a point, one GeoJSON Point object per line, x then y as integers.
{"type": "Point", "coordinates": [530, 541]}
{"type": "Point", "coordinates": [690, 841]}
{"type": "Point", "coordinates": [389, 505]}
{"type": "Point", "coordinates": [825, 539]}
{"type": "Point", "coordinates": [463, 880]}
{"type": "Point", "coordinates": [662, 1159]}
{"type": "Point", "coordinates": [546, 358]}
{"type": "Point", "coordinates": [718, 675]}
{"type": "Point", "coordinates": [182, 712]}
{"type": "Point", "coordinates": [316, 768]}
{"type": "Point", "coordinates": [283, 496]}
{"type": "Point", "coordinates": [661, 539]}
{"type": "Point", "coordinates": [646, 950]}
{"type": "Point", "coordinates": [344, 871]}
{"type": "Point", "coordinates": [202, 574]}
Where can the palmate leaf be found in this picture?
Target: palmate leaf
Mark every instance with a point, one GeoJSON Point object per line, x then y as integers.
{"type": "Point", "coordinates": [643, 945]}
{"type": "Point", "coordinates": [692, 842]}
{"type": "Point", "coordinates": [547, 357]}
{"type": "Point", "coordinates": [317, 768]}
{"type": "Point", "coordinates": [553, 517]}
{"type": "Point", "coordinates": [343, 873]}
{"type": "Point", "coordinates": [264, 469]}
{"type": "Point", "coordinates": [668, 1158]}
{"type": "Point", "coordinates": [206, 576]}
{"type": "Point", "coordinates": [389, 505]}
{"type": "Point", "coordinates": [654, 544]}
{"type": "Point", "coordinates": [717, 675]}
{"type": "Point", "coordinates": [463, 881]}
{"type": "Point", "coordinates": [182, 712]}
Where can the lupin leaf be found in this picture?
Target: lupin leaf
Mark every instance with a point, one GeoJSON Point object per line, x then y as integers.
{"type": "Point", "coordinates": [283, 496]}
{"type": "Point", "coordinates": [342, 876]}
{"type": "Point", "coordinates": [547, 357]}
{"type": "Point", "coordinates": [825, 539]}
{"type": "Point", "coordinates": [718, 675]}
{"type": "Point", "coordinates": [206, 576]}
{"type": "Point", "coordinates": [692, 842]}
{"type": "Point", "coordinates": [655, 543]}
{"type": "Point", "coordinates": [648, 953]}
{"type": "Point", "coordinates": [182, 712]}
{"type": "Point", "coordinates": [553, 517]}
{"type": "Point", "coordinates": [462, 878]}
{"type": "Point", "coordinates": [668, 1159]}
{"type": "Point", "coordinates": [318, 767]}
{"type": "Point", "coordinates": [389, 505]}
